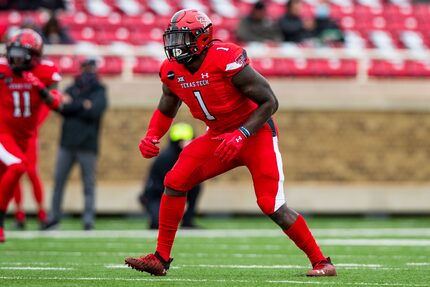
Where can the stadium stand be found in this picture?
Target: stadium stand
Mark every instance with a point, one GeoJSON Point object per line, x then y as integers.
{"type": "Point", "coordinates": [390, 37]}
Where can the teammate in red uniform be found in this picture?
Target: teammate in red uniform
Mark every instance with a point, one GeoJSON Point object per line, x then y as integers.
{"type": "Point", "coordinates": [25, 86]}
{"type": "Point", "coordinates": [216, 82]}
{"type": "Point", "coordinates": [33, 175]}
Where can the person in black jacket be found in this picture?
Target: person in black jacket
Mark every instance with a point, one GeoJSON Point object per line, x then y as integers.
{"type": "Point", "coordinates": [82, 112]}
{"type": "Point", "coordinates": [180, 135]}
{"type": "Point", "coordinates": [293, 27]}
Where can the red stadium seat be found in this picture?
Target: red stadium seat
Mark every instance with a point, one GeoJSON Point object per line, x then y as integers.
{"type": "Point", "coordinates": [110, 65]}
{"type": "Point", "coordinates": [146, 65]}
{"type": "Point", "coordinates": [68, 65]}
{"type": "Point", "coordinates": [382, 27]}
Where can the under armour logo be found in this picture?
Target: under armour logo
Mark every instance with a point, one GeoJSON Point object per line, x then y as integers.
{"type": "Point", "coordinates": [238, 139]}
{"type": "Point", "coordinates": [205, 76]}
{"type": "Point", "coordinates": [181, 79]}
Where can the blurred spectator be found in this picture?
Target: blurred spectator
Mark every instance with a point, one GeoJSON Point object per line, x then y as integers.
{"type": "Point", "coordinates": [53, 4]}
{"type": "Point", "coordinates": [326, 29]}
{"type": "Point", "coordinates": [180, 135]}
{"type": "Point", "coordinates": [4, 4]}
{"type": "Point", "coordinates": [83, 109]}
{"type": "Point", "coordinates": [23, 4]}
{"type": "Point", "coordinates": [257, 26]}
{"type": "Point", "coordinates": [28, 23]}
{"type": "Point", "coordinates": [54, 33]}
{"type": "Point", "coordinates": [293, 27]}
{"type": "Point", "coordinates": [31, 4]}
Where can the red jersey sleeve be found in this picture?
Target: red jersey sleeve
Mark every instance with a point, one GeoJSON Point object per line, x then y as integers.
{"type": "Point", "coordinates": [4, 68]}
{"type": "Point", "coordinates": [231, 58]}
{"type": "Point", "coordinates": [47, 72]}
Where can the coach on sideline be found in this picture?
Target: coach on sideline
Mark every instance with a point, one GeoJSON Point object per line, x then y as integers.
{"type": "Point", "coordinates": [84, 106]}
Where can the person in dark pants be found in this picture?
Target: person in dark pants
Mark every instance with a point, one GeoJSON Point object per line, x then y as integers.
{"type": "Point", "coordinates": [180, 135]}
{"type": "Point", "coordinates": [84, 106]}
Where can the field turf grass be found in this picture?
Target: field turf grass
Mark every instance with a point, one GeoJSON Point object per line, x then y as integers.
{"type": "Point", "coordinates": [227, 252]}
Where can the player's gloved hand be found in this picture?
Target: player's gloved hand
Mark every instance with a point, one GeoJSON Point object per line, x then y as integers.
{"type": "Point", "coordinates": [148, 147]}
{"type": "Point", "coordinates": [230, 145]}
{"type": "Point", "coordinates": [29, 77]}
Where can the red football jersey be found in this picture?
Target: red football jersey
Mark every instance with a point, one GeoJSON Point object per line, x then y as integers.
{"type": "Point", "coordinates": [209, 92]}
{"type": "Point", "coordinates": [20, 104]}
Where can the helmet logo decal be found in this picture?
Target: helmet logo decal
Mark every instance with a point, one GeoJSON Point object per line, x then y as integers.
{"type": "Point", "coordinates": [203, 20]}
{"type": "Point", "coordinates": [177, 52]}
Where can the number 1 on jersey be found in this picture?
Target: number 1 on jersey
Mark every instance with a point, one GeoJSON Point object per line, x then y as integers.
{"type": "Point", "coordinates": [17, 104]}
{"type": "Point", "coordinates": [199, 98]}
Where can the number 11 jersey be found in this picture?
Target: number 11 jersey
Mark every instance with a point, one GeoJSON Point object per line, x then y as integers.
{"type": "Point", "coordinates": [20, 104]}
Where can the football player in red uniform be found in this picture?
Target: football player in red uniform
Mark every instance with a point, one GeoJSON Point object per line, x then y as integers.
{"type": "Point", "coordinates": [33, 175]}
{"type": "Point", "coordinates": [26, 84]}
{"type": "Point", "coordinates": [216, 82]}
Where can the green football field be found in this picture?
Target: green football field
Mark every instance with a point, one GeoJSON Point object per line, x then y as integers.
{"type": "Point", "coordinates": [227, 252]}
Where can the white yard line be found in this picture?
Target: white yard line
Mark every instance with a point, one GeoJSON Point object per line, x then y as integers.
{"type": "Point", "coordinates": [348, 283]}
{"type": "Point", "coordinates": [375, 242]}
{"type": "Point", "coordinates": [198, 254]}
{"type": "Point", "coordinates": [418, 263]}
{"type": "Point", "coordinates": [418, 243]}
{"type": "Point", "coordinates": [351, 266]}
{"type": "Point", "coordinates": [336, 232]}
{"type": "Point", "coordinates": [34, 268]}
{"type": "Point", "coordinates": [167, 279]}
{"type": "Point", "coordinates": [62, 253]}
{"type": "Point", "coordinates": [228, 266]}
{"type": "Point", "coordinates": [359, 265]}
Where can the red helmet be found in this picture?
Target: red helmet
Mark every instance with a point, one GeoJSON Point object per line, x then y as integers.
{"type": "Point", "coordinates": [24, 50]}
{"type": "Point", "coordinates": [189, 33]}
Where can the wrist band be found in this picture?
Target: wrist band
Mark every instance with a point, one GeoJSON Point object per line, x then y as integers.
{"type": "Point", "coordinates": [244, 131]}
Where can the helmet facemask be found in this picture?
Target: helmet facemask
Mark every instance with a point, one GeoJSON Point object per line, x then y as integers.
{"type": "Point", "coordinates": [20, 58]}
{"type": "Point", "coordinates": [181, 45]}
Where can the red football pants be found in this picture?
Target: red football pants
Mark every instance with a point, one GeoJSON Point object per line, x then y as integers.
{"type": "Point", "coordinates": [260, 154]}
{"type": "Point", "coordinates": [33, 174]}
{"type": "Point", "coordinates": [12, 166]}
